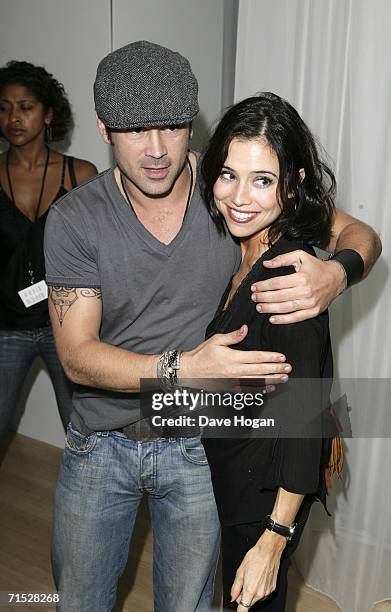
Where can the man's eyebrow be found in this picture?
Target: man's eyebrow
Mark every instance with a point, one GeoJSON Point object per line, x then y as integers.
{"type": "Point", "coordinates": [153, 127]}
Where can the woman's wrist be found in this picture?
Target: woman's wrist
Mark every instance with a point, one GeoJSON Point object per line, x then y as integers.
{"type": "Point", "coordinates": [271, 541]}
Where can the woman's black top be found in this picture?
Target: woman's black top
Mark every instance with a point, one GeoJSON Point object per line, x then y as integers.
{"type": "Point", "coordinates": [242, 468]}
{"type": "Point", "coordinates": [21, 242]}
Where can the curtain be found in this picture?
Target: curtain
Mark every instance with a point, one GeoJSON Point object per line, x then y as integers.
{"type": "Point", "coordinates": [332, 60]}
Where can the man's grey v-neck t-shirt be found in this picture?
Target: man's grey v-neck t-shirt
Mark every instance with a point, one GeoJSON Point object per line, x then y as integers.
{"type": "Point", "coordinates": [155, 297]}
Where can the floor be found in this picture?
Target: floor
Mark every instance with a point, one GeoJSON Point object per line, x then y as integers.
{"type": "Point", "coordinates": [27, 479]}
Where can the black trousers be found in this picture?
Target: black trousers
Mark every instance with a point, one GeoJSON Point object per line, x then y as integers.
{"type": "Point", "coordinates": [238, 539]}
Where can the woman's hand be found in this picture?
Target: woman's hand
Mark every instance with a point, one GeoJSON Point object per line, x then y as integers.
{"type": "Point", "coordinates": [256, 576]}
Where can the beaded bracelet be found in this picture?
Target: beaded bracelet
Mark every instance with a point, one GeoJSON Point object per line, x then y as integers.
{"type": "Point", "coordinates": [167, 366]}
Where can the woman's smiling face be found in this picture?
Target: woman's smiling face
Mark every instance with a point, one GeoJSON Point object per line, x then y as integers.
{"type": "Point", "coordinates": [246, 190]}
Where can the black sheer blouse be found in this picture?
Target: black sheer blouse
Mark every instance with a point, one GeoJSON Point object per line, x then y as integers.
{"type": "Point", "coordinates": [242, 468]}
{"type": "Point", "coordinates": [21, 246]}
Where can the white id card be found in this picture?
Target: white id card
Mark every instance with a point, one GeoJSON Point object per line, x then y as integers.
{"type": "Point", "coordinates": [34, 294]}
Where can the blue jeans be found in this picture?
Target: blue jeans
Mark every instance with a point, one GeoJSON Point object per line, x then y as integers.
{"type": "Point", "coordinates": [18, 350]}
{"type": "Point", "coordinates": [103, 477]}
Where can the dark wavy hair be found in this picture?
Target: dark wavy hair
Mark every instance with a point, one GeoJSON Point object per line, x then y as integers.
{"type": "Point", "coordinates": [307, 205]}
{"type": "Point", "coordinates": [45, 88]}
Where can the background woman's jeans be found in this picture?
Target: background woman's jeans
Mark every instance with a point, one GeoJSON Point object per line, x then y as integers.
{"type": "Point", "coordinates": [18, 350]}
{"type": "Point", "coordinates": [102, 480]}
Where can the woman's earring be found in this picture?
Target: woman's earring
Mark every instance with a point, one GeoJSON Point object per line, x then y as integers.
{"type": "Point", "coordinates": [48, 133]}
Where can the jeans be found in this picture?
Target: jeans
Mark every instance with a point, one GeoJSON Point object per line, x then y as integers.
{"type": "Point", "coordinates": [103, 477]}
{"type": "Point", "coordinates": [18, 350]}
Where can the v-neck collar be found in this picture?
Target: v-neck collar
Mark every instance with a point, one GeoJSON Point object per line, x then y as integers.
{"type": "Point", "coordinates": [132, 220]}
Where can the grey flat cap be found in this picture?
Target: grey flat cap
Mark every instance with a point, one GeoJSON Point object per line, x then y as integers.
{"type": "Point", "coordinates": [142, 85]}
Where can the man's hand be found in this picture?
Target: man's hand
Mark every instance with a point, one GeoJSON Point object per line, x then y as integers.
{"type": "Point", "coordinates": [304, 294]}
{"type": "Point", "coordinates": [215, 359]}
{"type": "Point", "coordinates": [256, 577]}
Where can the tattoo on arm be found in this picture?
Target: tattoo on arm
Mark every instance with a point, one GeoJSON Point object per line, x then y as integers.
{"type": "Point", "coordinates": [64, 297]}
{"type": "Point", "coordinates": [91, 292]}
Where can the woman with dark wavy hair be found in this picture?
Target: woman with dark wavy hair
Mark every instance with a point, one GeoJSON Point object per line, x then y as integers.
{"type": "Point", "coordinates": [34, 111]}
{"type": "Point", "coordinates": [265, 182]}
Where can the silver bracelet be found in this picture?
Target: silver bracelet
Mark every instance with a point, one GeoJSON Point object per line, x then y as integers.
{"type": "Point", "coordinates": [167, 366]}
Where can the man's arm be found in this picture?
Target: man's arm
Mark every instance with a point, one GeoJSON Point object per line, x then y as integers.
{"type": "Point", "coordinates": [350, 233]}
{"type": "Point", "coordinates": [316, 283]}
{"type": "Point", "coordinates": [76, 318]}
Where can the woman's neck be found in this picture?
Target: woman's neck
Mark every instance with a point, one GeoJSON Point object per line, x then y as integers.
{"type": "Point", "coordinates": [30, 156]}
{"type": "Point", "coordinates": [253, 248]}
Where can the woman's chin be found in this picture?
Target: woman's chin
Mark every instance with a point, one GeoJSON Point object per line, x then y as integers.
{"type": "Point", "coordinates": [243, 231]}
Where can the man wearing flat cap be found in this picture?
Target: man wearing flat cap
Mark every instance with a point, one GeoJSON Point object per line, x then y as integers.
{"type": "Point", "coordinates": [146, 267]}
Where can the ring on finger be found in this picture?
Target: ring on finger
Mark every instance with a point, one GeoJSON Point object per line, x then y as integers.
{"type": "Point", "coordinates": [245, 604]}
{"type": "Point", "coordinates": [297, 266]}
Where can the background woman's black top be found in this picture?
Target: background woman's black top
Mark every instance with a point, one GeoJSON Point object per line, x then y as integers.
{"type": "Point", "coordinates": [242, 468]}
{"type": "Point", "coordinates": [21, 242]}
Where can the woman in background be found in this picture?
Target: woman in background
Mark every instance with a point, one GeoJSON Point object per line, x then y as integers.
{"type": "Point", "coordinates": [34, 111]}
{"type": "Point", "coordinates": [264, 181]}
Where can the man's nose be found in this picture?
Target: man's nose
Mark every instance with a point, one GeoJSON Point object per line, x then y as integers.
{"type": "Point", "coordinates": [156, 146]}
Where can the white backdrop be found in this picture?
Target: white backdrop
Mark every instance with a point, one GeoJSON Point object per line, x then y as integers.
{"type": "Point", "coordinates": [332, 60]}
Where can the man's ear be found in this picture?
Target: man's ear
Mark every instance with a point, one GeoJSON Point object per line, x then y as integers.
{"type": "Point", "coordinates": [103, 130]}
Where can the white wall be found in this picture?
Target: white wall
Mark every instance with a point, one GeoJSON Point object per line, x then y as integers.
{"type": "Point", "coordinates": [195, 29]}
{"type": "Point", "coordinates": [69, 38]}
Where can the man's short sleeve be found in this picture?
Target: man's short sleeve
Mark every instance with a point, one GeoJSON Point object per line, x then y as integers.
{"type": "Point", "coordinates": [70, 259]}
